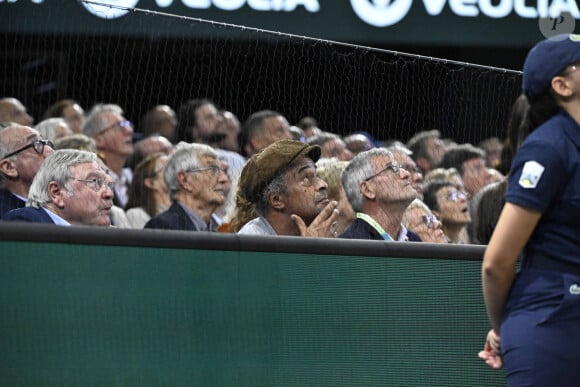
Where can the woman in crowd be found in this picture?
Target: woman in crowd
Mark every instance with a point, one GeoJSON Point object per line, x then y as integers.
{"type": "Point", "coordinates": [329, 170]}
{"type": "Point", "coordinates": [489, 206]}
{"type": "Point", "coordinates": [451, 206]}
{"type": "Point", "coordinates": [419, 219]}
{"type": "Point", "coordinates": [148, 194]}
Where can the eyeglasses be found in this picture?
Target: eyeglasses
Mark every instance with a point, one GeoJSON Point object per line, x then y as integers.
{"type": "Point", "coordinates": [393, 166]}
{"type": "Point", "coordinates": [37, 145]}
{"type": "Point", "coordinates": [214, 170]}
{"type": "Point", "coordinates": [429, 220]}
{"type": "Point", "coordinates": [97, 184]}
{"type": "Point", "coordinates": [456, 196]}
{"type": "Point", "coordinates": [119, 125]}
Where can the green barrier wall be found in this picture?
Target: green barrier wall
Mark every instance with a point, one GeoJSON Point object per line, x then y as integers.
{"type": "Point", "coordinates": [124, 313]}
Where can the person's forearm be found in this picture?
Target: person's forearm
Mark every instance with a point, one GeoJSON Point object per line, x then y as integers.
{"type": "Point", "coordinates": [512, 232]}
{"type": "Point", "coordinates": [497, 283]}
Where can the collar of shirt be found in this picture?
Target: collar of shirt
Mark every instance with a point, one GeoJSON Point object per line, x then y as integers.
{"type": "Point", "coordinates": [374, 224]}
{"type": "Point", "coordinates": [55, 218]}
{"type": "Point", "coordinates": [19, 197]}
{"type": "Point", "coordinates": [197, 221]}
{"type": "Point", "coordinates": [403, 235]}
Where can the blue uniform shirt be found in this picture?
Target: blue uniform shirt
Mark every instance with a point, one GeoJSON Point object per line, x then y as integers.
{"type": "Point", "coordinates": [545, 176]}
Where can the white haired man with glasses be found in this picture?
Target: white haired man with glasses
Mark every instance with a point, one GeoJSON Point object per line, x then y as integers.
{"type": "Point", "coordinates": [22, 151]}
{"type": "Point", "coordinates": [379, 190]}
{"type": "Point", "coordinates": [113, 135]}
{"type": "Point", "coordinates": [197, 183]}
{"type": "Point", "coordinates": [70, 189]}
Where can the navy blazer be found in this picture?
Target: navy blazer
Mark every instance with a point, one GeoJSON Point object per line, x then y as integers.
{"type": "Point", "coordinates": [9, 201]}
{"type": "Point", "coordinates": [175, 218]}
{"type": "Point", "coordinates": [28, 214]}
{"type": "Point", "coordinates": [359, 229]}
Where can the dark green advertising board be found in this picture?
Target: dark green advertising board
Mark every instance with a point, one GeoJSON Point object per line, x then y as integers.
{"type": "Point", "coordinates": [105, 307]}
{"type": "Point", "coordinates": [377, 22]}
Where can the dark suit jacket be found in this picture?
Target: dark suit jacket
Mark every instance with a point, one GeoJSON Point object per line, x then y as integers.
{"type": "Point", "coordinates": [8, 202]}
{"type": "Point", "coordinates": [175, 218]}
{"type": "Point", "coordinates": [359, 229]}
{"type": "Point", "coordinates": [28, 214]}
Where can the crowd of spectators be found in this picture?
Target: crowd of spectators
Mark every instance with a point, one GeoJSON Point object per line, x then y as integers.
{"type": "Point", "coordinates": [199, 168]}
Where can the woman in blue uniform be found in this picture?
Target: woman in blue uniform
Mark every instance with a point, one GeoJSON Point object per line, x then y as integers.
{"type": "Point", "coordinates": [537, 311]}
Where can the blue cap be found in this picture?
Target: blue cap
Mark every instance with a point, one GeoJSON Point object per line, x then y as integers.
{"type": "Point", "coordinates": [548, 59]}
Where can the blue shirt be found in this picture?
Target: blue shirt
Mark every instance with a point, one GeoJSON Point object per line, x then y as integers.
{"type": "Point", "coordinates": [200, 225]}
{"type": "Point", "coordinates": [545, 176]}
{"type": "Point", "coordinates": [55, 218]}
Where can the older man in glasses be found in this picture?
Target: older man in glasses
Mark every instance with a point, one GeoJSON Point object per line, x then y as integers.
{"type": "Point", "coordinates": [197, 181]}
{"type": "Point", "coordinates": [70, 188]}
{"type": "Point", "coordinates": [22, 151]}
{"type": "Point", "coordinates": [113, 135]}
{"type": "Point", "coordinates": [379, 190]}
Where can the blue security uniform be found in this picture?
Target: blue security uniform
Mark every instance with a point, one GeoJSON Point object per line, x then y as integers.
{"type": "Point", "coordinates": [540, 332]}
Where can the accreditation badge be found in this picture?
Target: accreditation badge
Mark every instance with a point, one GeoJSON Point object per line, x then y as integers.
{"type": "Point", "coordinates": [531, 174]}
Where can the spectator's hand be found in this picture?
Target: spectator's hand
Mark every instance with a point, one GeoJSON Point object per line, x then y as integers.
{"type": "Point", "coordinates": [324, 225]}
{"type": "Point", "coordinates": [492, 351]}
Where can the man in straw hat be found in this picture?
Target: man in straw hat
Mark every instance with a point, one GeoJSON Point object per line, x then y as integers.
{"type": "Point", "coordinates": [280, 190]}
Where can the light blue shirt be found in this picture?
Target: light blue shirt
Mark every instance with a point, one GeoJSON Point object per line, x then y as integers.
{"type": "Point", "coordinates": [55, 218]}
{"type": "Point", "coordinates": [199, 223]}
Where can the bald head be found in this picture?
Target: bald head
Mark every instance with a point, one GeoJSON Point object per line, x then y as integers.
{"type": "Point", "coordinates": [161, 120]}
{"type": "Point", "coordinates": [22, 151]}
{"type": "Point", "coordinates": [154, 144]}
{"type": "Point", "coordinates": [12, 110]}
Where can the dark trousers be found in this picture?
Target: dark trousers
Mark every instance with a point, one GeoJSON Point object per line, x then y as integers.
{"type": "Point", "coordinates": [540, 333]}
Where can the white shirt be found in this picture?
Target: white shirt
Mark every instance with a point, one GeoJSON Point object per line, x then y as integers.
{"type": "Point", "coordinates": [122, 185]}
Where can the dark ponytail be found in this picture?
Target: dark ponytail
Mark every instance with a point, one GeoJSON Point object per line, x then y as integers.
{"type": "Point", "coordinates": [527, 114]}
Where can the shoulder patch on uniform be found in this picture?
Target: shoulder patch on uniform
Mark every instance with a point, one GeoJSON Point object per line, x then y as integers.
{"type": "Point", "coordinates": [531, 174]}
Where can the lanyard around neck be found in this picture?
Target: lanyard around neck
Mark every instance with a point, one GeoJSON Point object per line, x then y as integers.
{"type": "Point", "coordinates": [373, 223]}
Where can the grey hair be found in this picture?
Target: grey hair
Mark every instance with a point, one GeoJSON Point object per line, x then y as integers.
{"type": "Point", "coordinates": [3, 145]}
{"type": "Point", "coordinates": [357, 170]}
{"type": "Point", "coordinates": [441, 174]}
{"type": "Point", "coordinates": [185, 157]}
{"type": "Point", "coordinates": [275, 187]}
{"type": "Point", "coordinates": [76, 141]}
{"type": "Point", "coordinates": [417, 203]}
{"type": "Point", "coordinates": [56, 167]}
{"type": "Point", "coordinates": [47, 128]}
{"type": "Point", "coordinates": [400, 148]}
{"type": "Point", "coordinates": [94, 121]}
{"type": "Point", "coordinates": [5, 139]}
{"type": "Point", "coordinates": [4, 150]}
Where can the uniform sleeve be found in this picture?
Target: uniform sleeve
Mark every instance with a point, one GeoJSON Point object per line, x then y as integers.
{"type": "Point", "coordinates": [536, 175]}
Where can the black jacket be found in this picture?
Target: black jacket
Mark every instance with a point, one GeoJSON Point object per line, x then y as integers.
{"type": "Point", "coordinates": [9, 201]}
{"type": "Point", "coordinates": [359, 229]}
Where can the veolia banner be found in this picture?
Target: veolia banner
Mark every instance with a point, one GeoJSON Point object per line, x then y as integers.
{"type": "Point", "coordinates": [375, 22]}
